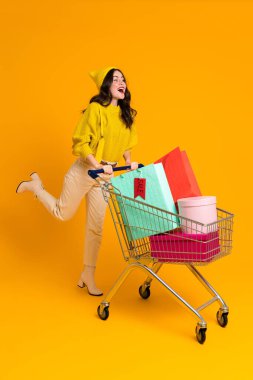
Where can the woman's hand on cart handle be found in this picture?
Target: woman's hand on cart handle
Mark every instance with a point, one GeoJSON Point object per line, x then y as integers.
{"type": "Point", "coordinates": [107, 172]}
{"type": "Point", "coordinates": [94, 173]}
{"type": "Point", "coordinates": [133, 165]}
{"type": "Point", "coordinates": [107, 169]}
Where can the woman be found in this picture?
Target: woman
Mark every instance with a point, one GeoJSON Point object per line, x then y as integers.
{"type": "Point", "coordinates": [103, 135]}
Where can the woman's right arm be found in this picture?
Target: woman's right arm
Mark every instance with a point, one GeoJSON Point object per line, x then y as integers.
{"type": "Point", "coordinates": [86, 132]}
{"type": "Point", "coordinates": [90, 159]}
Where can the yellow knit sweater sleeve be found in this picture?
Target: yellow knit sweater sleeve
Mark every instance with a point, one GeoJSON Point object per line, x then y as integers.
{"type": "Point", "coordinates": [86, 135]}
{"type": "Point", "coordinates": [133, 137]}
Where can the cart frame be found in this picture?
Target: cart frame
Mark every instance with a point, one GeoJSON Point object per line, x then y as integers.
{"type": "Point", "coordinates": [137, 252]}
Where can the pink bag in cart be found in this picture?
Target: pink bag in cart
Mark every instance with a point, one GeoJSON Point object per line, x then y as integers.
{"type": "Point", "coordinates": [176, 246]}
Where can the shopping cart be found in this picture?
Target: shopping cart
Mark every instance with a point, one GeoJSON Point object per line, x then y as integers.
{"type": "Point", "coordinates": [199, 244]}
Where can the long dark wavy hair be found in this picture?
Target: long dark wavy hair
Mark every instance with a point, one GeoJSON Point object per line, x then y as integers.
{"type": "Point", "coordinates": [105, 97]}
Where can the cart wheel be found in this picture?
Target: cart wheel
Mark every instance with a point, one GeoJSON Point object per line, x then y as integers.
{"type": "Point", "coordinates": [201, 335]}
{"type": "Point", "coordinates": [104, 314]}
{"type": "Point", "coordinates": [222, 319]}
{"type": "Point", "coordinates": [144, 294]}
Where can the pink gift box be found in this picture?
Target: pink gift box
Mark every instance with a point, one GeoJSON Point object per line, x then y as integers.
{"type": "Point", "coordinates": [178, 246]}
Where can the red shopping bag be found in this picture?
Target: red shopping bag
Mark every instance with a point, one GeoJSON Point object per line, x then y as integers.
{"type": "Point", "coordinates": [180, 175]}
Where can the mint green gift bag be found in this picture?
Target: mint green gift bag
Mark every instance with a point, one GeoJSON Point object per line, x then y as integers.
{"type": "Point", "coordinates": [139, 216]}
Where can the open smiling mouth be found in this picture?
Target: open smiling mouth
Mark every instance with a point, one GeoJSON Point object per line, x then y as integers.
{"type": "Point", "coordinates": [121, 90]}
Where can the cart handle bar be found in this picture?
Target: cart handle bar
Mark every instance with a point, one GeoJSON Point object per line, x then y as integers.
{"type": "Point", "coordinates": [94, 173]}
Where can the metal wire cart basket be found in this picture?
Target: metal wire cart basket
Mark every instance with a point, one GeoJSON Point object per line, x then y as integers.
{"type": "Point", "coordinates": [198, 244]}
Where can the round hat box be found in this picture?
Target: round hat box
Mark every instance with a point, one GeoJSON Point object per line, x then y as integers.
{"type": "Point", "coordinates": [200, 209]}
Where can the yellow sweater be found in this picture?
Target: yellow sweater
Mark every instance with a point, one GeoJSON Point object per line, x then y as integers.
{"type": "Point", "coordinates": [101, 132]}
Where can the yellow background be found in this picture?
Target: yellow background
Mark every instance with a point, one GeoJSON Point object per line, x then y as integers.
{"type": "Point", "coordinates": [189, 69]}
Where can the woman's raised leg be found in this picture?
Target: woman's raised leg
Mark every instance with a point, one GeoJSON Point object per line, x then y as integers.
{"type": "Point", "coordinates": [76, 184]}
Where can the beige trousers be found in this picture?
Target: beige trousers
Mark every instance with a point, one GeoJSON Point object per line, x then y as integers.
{"type": "Point", "coordinates": [77, 184]}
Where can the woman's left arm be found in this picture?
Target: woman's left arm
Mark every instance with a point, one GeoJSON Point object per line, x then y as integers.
{"type": "Point", "coordinates": [132, 142]}
{"type": "Point", "coordinates": [127, 157]}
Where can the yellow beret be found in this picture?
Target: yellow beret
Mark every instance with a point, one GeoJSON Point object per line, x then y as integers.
{"type": "Point", "coordinates": [99, 75]}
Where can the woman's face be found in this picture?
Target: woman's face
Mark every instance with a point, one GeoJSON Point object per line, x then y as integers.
{"type": "Point", "coordinates": [118, 86]}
